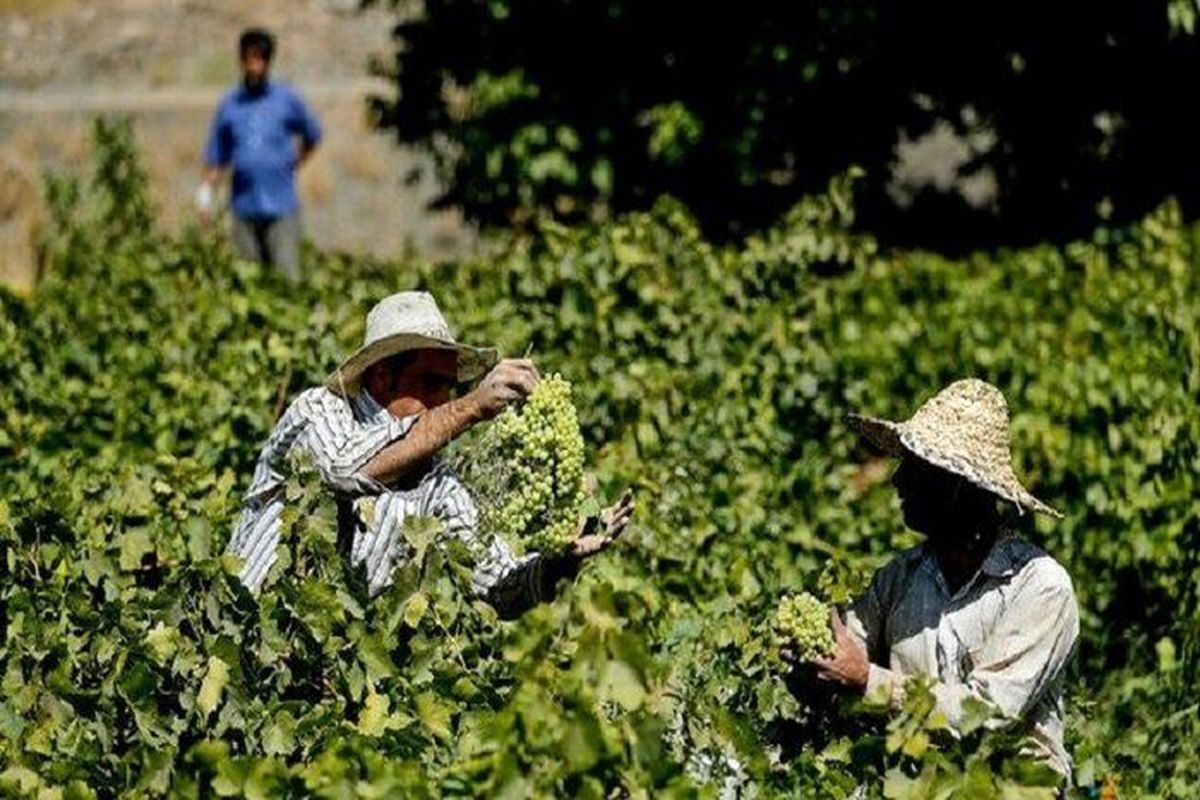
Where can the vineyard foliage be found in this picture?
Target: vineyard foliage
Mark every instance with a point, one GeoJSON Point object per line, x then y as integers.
{"type": "Point", "coordinates": [139, 380]}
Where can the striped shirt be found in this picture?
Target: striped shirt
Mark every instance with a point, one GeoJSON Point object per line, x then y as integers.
{"type": "Point", "coordinates": [341, 435]}
{"type": "Point", "coordinates": [1004, 637]}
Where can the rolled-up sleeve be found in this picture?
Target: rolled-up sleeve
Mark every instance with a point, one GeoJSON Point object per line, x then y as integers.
{"type": "Point", "coordinates": [341, 445]}
{"type": "Point", "coordinates": [866, 620]}
{"type": "Point", "coordinates": [865, 616]}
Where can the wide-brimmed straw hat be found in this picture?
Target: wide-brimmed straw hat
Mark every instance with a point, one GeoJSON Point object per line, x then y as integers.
{"type": "Point", "coordinates": [402, 322]}
{"type": "Point", "coordinates": [962, 429]}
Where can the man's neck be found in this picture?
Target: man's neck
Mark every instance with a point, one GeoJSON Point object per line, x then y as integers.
{"type": "Point", "coordinates": [398, 406]}
{"type": "Point", "coordinates": [960, 556]}
{"type": "Point", "coordinates": [255, 89]}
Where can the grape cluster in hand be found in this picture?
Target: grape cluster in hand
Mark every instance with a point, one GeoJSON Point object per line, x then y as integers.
{"type": "Point", "coordinates": [537, 503]}
{"type": "Point", "coordinates": [802, 624]}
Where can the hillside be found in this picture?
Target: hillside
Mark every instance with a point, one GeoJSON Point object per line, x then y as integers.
{"type": "Point", "coordinates": [166, 62]}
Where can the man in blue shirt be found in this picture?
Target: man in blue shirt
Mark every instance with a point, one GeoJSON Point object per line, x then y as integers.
{"type": "Point", "coordinates": [254, 135]}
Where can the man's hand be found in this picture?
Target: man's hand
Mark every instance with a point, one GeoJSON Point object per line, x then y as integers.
{"type": "Point", "coordinates": [613, 521]}
{"type": "Point", "coordinates": [508, 382]}
{"type": "Point", "coordinates": [849, 665]}
{"type": "Point", "coordinates": [205, 203]}
{"type": "Point", "coordinates": [206, 195]}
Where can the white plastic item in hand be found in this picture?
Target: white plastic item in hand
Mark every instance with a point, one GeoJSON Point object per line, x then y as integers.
{"type": "Point", "coordinates": [206, 198]}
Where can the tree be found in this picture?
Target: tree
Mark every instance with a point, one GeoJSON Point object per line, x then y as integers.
{"type": "Point", "coordinates": [578, 107]}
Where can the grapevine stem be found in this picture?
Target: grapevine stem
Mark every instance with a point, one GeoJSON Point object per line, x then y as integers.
{"type": "Point", "coordinates": [453, 640]}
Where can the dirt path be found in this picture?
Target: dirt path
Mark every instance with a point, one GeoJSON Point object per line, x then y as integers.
{"type": "Point", "coordinates": [102, 101]}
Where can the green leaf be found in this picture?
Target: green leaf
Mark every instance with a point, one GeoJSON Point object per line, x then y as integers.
{"type": "Point", "coordinates": [916, 745]}
{"type": "Point", "coordinates": [134, 544]}
{"type": "Point", "coordinates": [216, 675]}
{"type": "Point", "coordinates": [375, 658]}
{"type": "Point", "coordinates": [420, 533]}
{"type": "Point", "coordinates": [373, 718]}
{"type": "Point", "coordinates": [583, 746]}
{"type": "Point", "coordinates": [20, 779]}
{"type": "Point", "coordinates": [279, 735]}
{"type": "Point", "coordinates": [415, 610]}
{"type": "Point", "coordinates": [1165, 649]}
{"type": "Point", "coordinates": [620, 682]}
{"type": "Point", "coordinates": [163, 642]}
{"type": "Point", "coordinates": [435, 715]}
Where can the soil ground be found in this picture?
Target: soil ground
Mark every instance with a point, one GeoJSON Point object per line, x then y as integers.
{"type": "Point", "coordinates": [166, 63]}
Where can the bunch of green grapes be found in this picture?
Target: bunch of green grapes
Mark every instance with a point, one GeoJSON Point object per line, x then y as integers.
{"type": "Point", "coordinates": [802, 623]}
{"type": "Point", "coordinates": [534, 495]}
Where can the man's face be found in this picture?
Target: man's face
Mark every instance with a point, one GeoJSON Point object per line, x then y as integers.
{"type": "Point", "coordinates": [254, 68]}
{"type": "Point", "coordinates": [929, 496]}
{"type": "Point", "coordinates": [425, 382]}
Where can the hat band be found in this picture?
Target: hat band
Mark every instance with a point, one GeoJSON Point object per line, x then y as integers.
{"type": "Point", "coordinates": [442, 334]}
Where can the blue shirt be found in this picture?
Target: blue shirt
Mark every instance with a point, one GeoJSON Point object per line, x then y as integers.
{"type": "Point", "coordinates": [253, 132]}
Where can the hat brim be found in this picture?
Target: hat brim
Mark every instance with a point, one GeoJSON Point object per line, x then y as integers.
{"type": "Point", "coordinates": [882, 434]}
{"type": "Point", "coordinates": [472, 361]}
{"type": "Point", "coordinates": [888, 438]}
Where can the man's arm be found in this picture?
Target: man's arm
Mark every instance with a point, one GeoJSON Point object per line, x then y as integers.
{"type": "Point", "coordinates": [206, 193]}
{"type": "Point", "coordinates": [218, 150]}
{"type": "Point", "coordinates": [508, 381]}
{"type": "Point", "coordinates": [340, 444]}
{"type": "Point", "coordinates": [536, 579]}
{"type": "Point", "coordinates": [432, 431]}
{"type": "Point", "coordinates": [304, 123]}
{"type": "Point", "coordinates": [1024, 654]}
{"type": "Point", "coordinates": [866, 616]}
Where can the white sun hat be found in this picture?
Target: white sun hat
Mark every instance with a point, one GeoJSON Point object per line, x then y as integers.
{"type": "Point", "coordinates": [402, 322]}
{"type": "Point", "coordinates": [962, 429]}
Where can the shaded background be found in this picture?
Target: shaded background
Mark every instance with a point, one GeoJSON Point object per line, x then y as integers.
{"type": "Point", "coordinates": [977, 124]}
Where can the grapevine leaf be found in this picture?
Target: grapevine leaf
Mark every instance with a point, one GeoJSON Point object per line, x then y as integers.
{"type": "Point", "coordinates": [216, 676]}
{"type": "Point", "coordinates": [415, 610]}
{"type": "Point", "coordinates": [620, 683]}
{"type": "Point", "coordinates": [434, 714]}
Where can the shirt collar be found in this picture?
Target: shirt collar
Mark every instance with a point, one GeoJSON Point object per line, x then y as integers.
{"type": "Point", "coordinates": [246, 92]}
{"type": "Point", "coordinates": [1001, 562]}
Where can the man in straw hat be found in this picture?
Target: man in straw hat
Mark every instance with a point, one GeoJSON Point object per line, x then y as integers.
{"type": "Point", "coordinates": [374, 431]}
{"type": "Point", "coordinates": [980, 612]}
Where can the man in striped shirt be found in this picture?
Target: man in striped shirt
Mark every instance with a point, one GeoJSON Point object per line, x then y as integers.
{"type": "Point", "coordinates": [374, 431]}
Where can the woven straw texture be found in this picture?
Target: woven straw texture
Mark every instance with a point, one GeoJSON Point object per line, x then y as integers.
{"type": "Point", "coordinates": [963, 429]}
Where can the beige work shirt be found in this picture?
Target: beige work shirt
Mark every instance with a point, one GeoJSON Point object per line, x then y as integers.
{"type": "Point", "coordinates": [1004, 637]}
